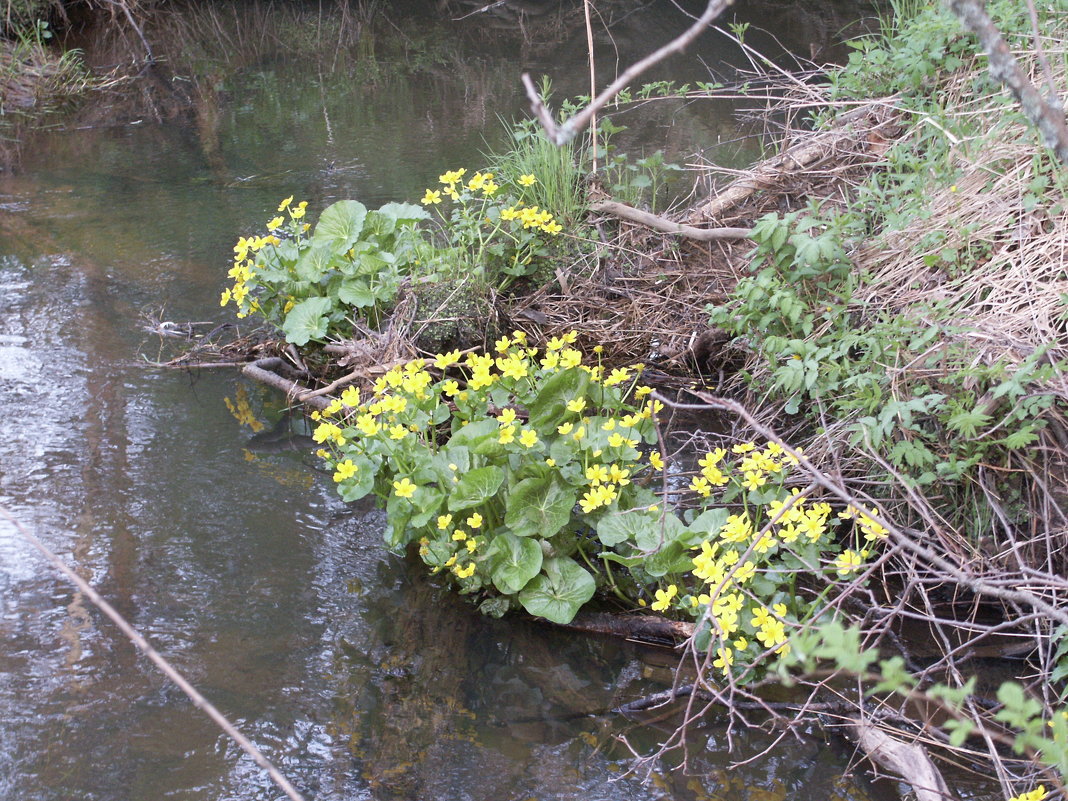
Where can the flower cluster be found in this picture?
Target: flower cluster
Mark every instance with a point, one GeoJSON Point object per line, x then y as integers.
{"type": "Point", "coordinates": [743, 571]}
{"type": "Point", "coordinates": [491, 222]}
{"type": "Point", "coordinates": [480, 456]}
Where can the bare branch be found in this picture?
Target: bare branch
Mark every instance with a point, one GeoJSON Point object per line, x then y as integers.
{"type": "Point", "coordinates": [134, 636]}
{"type": "Point", "coordinates": [1043, 114]}
{"type": "Point", "coordinates": [567, 130]}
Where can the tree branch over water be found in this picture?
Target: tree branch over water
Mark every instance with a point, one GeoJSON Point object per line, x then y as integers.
{"type": "Point", "coordinates": [1045, 114]}
{"type": "Point", "coordinates": [561, 134]}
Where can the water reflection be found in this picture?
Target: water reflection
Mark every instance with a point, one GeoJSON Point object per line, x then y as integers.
{"type": "Point", "coordinates": [190, 502]}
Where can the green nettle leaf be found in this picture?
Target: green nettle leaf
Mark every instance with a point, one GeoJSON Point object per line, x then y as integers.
{"type": "Point", "coordinates": [314, 263]}
{"type": "Point", "coordinates": [550, 406]}
{"type": "Point", "coordinates": [356, 292]}
{"type": "Point", "coordinates": [307, 320]}
{"type": "Point", "coordinates": [476, 487]}
{"type": "Point", "coordinates": [539, 507]}
{"type": "Point", "coordinates": [613, 529]}
{"type": "Point", "coordinates": [514, 561]}
{"type": "Point", "coordinates": [559, 592]}
{"type": "Point", "coordinates": [340, 225]}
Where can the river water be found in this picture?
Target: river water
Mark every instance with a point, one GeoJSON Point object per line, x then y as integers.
{"type": "Point", "coordinates": [179, 497]}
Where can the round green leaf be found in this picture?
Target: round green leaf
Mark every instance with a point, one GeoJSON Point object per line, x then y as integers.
{"type": "Point", "coordinates": [559, 592]}
{"type": "Point", "coordinates": [307, 320]}
{"type": "Point", "coordinates": [340, 225]}
{"type": "Point", "coordinates": [539, 507]}
{"type": "Point", "coordinates": [476, 487]}
{"type": "Point", "coordinates": [513, 561]}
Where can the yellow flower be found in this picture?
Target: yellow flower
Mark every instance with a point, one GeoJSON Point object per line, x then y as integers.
{"type": "Point", "coordinates": [507, 435]}
{"type": "Point", "coordinates": [596, 474]}
{"type": "Point", "coordinates": [1038, 794]}
{"type": "Point", "coordinates": [475, 520]}
{"type": "Point", "coordinates": [724, 660]}
{"type": "Point", "coordinates": [367, 424]}
{"type": "Point", "coordinates": [743, 447]}
{"type": "Point", "coordinates": [444, 521]}
{"type": "Point", "coordinates": [443, 360]}
{"type": "Point", "coordinates": [274, 223]}
{"type": "Point", "coordinates": [225, 298]}
{"type": "Point", "coordinates": [507, 416]}
{"type": "Point", "coordinates": [656, 461]}
{"type": "Point", "coordinates": [298, 212]}
{"type": "Point", "coordinates": [848, 561]}
{"type": "Point", "coordinates": [754, 480]}
{"type": "Point", "coordinates": [351, 397]}
{"type": "Point", "coordinates": [527, 180]}
{"type": "Point", "coordinates": [282, 206]}
{"type": "Point", "coordinates": [345, 469]}
{"type": "Point", "coordinates": [328, 431]}
{"type": "Point", "coordinates": [398, 432]}
{"type": "Point", "coordinates": [459, 535]}
{"type": "Point", "coordinates": [529, 437]}
{"type": "Point", "coordinates": [565, 429]}
{"type": "Point", "coordinates": [465, 572]}
{"type": "Point", "coordinates": [663, 598]}
{"type": "Point", "coordinates": [404, 488]}
{"type": "Point", "coordinates": [700, 485]}
{"type": "Point", "coordinates": [432, 196]}
{"type": "Point", "coordinates": [576, 405]}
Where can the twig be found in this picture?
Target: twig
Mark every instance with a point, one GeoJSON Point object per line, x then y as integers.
{"type": "Point", "coordinates": [667, 226]}
{"type": "Point", "coordinates": [567, 130]}
{"type": "Point", "coordinates": [199, 701]}
{"type": "Point", "coordinates": [1004, 68]}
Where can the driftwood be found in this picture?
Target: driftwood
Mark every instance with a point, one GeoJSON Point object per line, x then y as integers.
{"type": "Point", "coordinates": [269, 371]}
{"type": "Point", "coordinates": [812, 149]}
{"type": "Point", "coordinates": [907, 760]}
{"type": "Point", "coordinates": [666, 225]}
{"type": "Point", "coordinates": [644, 628]}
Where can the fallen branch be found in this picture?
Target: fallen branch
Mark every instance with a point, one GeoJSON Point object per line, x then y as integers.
{"type": "Point", "coordinates": [907, 760]}
{"type": "Point", "coordinates": [268, 371]}
{"type": "Point", "coordinates": [667, 226]}
{"type": "Point", "coordinates": [812, 149]}
{"type": "Point", "coordinates": [645, 628]}
{"type": "Point", "coordinates": [134, 636]}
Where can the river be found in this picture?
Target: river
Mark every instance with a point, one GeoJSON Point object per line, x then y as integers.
{"type": "Point", "coordinates": [180, 497]}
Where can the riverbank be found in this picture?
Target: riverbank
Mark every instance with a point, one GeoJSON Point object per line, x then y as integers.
{"type": "Point", "coordinates": [900, 321]}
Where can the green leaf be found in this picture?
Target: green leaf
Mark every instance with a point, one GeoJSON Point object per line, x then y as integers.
{"type": "Point", "coordinates": [314, 263]}
{"type": "Point", "coordinates": [706, 526]}
{"type": "Point", "coordinates": [352, 489]}
{"type": "Point", "coordinates": [356, 292]}
{"type": "Point", "coordinates": [672, 558]}
{"type": "Point", "coordinates": [513, 561]}
{"type": "Point", "coordinates": [618, 527]}
{"type": "Point", "coordinates": [307, 320]}
{"type": "Point", "coordinates": [539, 507]}
{"type": "Point", "coordinates": [340, 225]}
{"type": "Point", "coordinates": [559, 592]}
{"type": "Point", "coordinates": [476, 487]}
{"type": "Point", "coordinates": [550, 406]}
{"type": "Point", "coordinates": [666, 529]}
{"type": "Point", "coordinates": [398, 214]}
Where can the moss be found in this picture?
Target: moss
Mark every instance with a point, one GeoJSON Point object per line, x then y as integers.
{"type": "Point", "coordinates": [454, 314]}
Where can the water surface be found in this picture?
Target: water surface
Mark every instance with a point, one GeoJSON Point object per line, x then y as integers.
{"type": "Point", "coordinates": [356, 673]}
